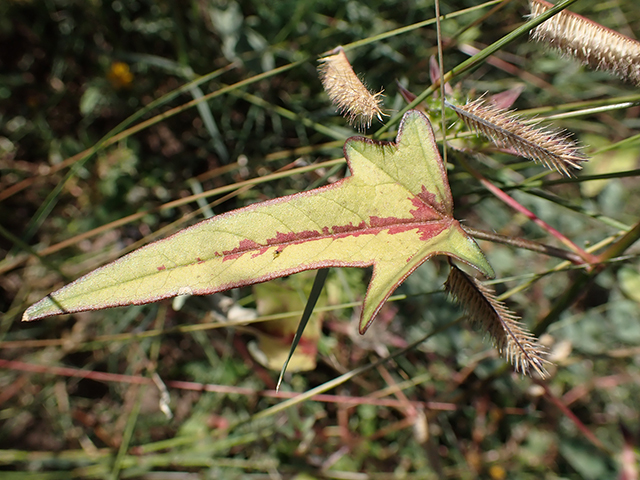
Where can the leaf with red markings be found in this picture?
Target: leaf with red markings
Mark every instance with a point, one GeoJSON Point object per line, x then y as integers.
{"type": "Point", "coordinates": [393, 213]}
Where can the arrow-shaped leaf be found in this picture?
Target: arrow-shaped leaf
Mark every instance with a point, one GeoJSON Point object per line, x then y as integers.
{"type": "Point", "coordinates": [394, 212]}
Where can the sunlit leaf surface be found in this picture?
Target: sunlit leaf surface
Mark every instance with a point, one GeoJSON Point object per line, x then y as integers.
{"type": "Point", "coordinates": [393, 213]}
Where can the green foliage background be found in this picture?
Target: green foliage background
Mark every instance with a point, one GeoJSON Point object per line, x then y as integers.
{"type": "Point", "coordinates": [60, 95]}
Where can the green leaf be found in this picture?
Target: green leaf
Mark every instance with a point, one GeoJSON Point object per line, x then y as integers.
{"type": "Point", "coordinates": [90, 100]}
{"type": "Point", "coordinates": [277, 338]}
{"type": "Point", "coordinates": [610, 161]}
{"type": "Point", "coordinates": [629, 280]}
{"type": "Point", "coordinates": [394, 212]}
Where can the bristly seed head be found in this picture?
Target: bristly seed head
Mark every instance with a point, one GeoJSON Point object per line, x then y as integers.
{"type": "Point", "coordinates": [593, 44]}
{"type": "Point", "coordinates": [347, 92]}
{"type": "Point", "coordinates": [509, 335]}
{"type": "Point", "coordinates": [552, 148]}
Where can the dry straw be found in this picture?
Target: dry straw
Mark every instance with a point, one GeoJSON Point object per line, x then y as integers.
{"type": "Point", "coordinates": [347, 92]}
{"type": "Point", "coordinates": [591, 43]}
{"type": "Point", "coordinates": [552, 148]}
{"type": "Point", "coordinates": [509, 335]}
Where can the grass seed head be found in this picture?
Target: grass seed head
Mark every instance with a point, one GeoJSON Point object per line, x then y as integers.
{"type": "Point", "coordinates": [509, 335]}
{"type": "Point", "coordinates": [554, 149]}
{"type": "Point", "coordinates": [347, 92]}
{"type": "Point", "coordinates": [593, 44]}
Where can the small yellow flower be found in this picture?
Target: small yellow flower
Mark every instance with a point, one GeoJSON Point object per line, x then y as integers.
{"type": "Point", "coordinates": [496, 472]}
{"type": "Point", "coordinates": [119, 75]}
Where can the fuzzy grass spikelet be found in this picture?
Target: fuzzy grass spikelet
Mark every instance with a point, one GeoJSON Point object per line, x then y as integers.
{"type": "Point", "coordinates": [352, 99]}
{"type": "Point", "coordinates": [593, 44]}
{"type": "Point", "coordinates": [509, 335]}
{"type": "Point", "coordinates": [554, 149]}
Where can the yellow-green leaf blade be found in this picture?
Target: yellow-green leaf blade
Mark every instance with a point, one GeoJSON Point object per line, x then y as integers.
{"type": "Point", "coordinates": [394, 213]}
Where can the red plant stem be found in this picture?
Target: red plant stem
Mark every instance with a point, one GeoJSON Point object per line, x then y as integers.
{"type": "Point", "coordinates": [13, 389]}
{"type": "Point", "coordinates": [223, 389]}
{"type": "Point", "coordinates": [411, 411]}
{"type": "Point", "coordinates": [589, 435]}
{"type": "Point", "coordinates": [586, 256]}
{"type": "Point", "coordinates": [579, 391]}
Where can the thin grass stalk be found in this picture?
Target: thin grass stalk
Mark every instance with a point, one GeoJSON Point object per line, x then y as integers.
{"type": "Point", "coordinates": [128, 433]}
{"type": "Point", "coordinates": [409, 28]}
{"type": "Point", "coordinates": [526, 244]}
{"type": "Point", "coordinates": [442, 85]}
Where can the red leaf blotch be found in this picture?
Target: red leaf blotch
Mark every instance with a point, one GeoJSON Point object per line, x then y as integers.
{"type": "Point", "coordinates": [431, 204]}
{"type": "Point", "coordinates": [243, 247]}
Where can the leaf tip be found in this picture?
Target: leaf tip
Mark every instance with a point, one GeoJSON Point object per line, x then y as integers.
{"type": "Point", "coordinates": [365, 322]}
{"type": "Point", "coordinates": [46, 307]}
